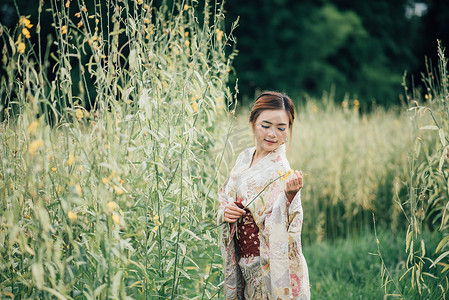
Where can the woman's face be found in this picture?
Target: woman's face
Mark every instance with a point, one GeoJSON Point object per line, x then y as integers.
{"type": "Point", "coordinates": [270, 129]}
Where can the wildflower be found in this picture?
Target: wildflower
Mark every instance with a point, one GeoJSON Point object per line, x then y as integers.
{"type": "Point", "coordinates": [78, 189]}
{"type": "Point", "coordinates": [186, 7]}
{"type": "Point", "coordinates": [146, 7]}
{"type": "Point", "coordinates": [80, 24]}
{"type": "Point", "coordinates": [54, 169]}
{"type": "Point", "coordinates": [195, 106]}
{"type": "Point", "coordinates": [112, 206]}
{"type": "Point", "coordinates": [35, 145]}
{"type": "Point", "coordinates": [59, 189]}
{"type": "Point", "coordinates": [156, 220]}
{"type": "Point", "coordinates": [67, 4]}
{"type": "Point", "coordinates": [219, 34]}
{"type": "Point", "coordinates": [27, 216]}
{"type": "Point", "coordinates": [84, 9]}
{"type": "Point", "coordinates": [356, 103]}
{"type": "Point", "coordinates": [344, 104]}
{"type": "Point", "coordinates": [155, 228]}
{"type": "Point", "coordinates": [187, 43]}
{"type": "Point", "coordinates": [72, 215]}
{"type": "Point", "coordinates": [25, 22]}
{"type": "Point", "coordinates": [105, 180]}
{"type": "Point", "coordinates": [21, 47]}
{"type": "Point", "coordinates": [78, 15]}
{"type": "Point", "coordinates": [64, 29]}
{"type": "Point", "coordinates": [140, 2]}
{"type": "Point", "coordinates": [186, 34]}
{"type": "Point", "coordinates": [70, 160]}
{"type": "Point", "coordinates": [97, 21]}
{"type": "Point", "coordinates": [146, 20]}
{"type": "Point", "coordinates": [118, 189]}
{"type": "Point", "coordinates": [26, 32]}
{"type": "Point", "coordinates": [80, 168]}
{"type": "Point", "coordinates": [33, 127]}
{"type": "Point", "coordinates": [377, 241]}
{"type": "Point", "coordinates": [116, 219]}
{"type": "Point", "coordinates": [79, 114]}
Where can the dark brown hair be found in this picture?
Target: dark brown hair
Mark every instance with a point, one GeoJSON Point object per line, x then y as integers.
{"type": "Point", "coordinates": [273, 100]}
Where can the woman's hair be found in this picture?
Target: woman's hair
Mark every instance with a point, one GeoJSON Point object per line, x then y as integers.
{"type": "Point", "coordinates": [273, 100]}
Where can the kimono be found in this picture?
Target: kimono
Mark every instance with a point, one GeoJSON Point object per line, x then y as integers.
{"type": "Point", "coordinates": [284, 273]}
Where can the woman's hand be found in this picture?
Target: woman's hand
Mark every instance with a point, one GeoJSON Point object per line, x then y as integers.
{"type": "Point", "coordinates": [232, 213]}
{"type": "Point", "coordinates": [293, 185]}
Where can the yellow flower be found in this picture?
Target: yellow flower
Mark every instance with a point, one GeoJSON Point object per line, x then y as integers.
{"type": "Point", "coordinates": [79, 114]}
{"type": "Point", "coordinates": [290, 171]}
{"type": "Point", "coordinates": [116, 219]}
{"type": "Point", "coordinates": [35, 145]}
{"type": "Point", "coordinates": [59, 189]}
{"type": "Point", "coordinates": [186, 7]}
{"type": "Point", "coordinates": [155, 228]}
{"type": "Point", "coordinates": [84, 9]}
{"type": "Point", "coordinates": [80, 24]}
{"type": "Point", "coordinates": [78, 15]}
{"type": "Point", "coordinates": [54, 169]}
{"type": "Point", "coordinates": [67, 4]}
{"type": "Point", "coordinates": [156, 217]}
{"type": "Point", "coordinates": [146, 7]}
{"type": "Point", "coordinates": [25, 22]}
{"type": "Point", "coordinates": [105, 180]}
{"type": "Point", "coordinates": [78, 189]}
{"type": "Point", "coordinates": [112, 206]}
{"type": "Point", "coordinates": [195, 106]}
{"type": "Point", "coordinates": [80, 168]}
{"type": "Point", "coordinates": [219, 34]}
{"type": "Point", "coordinates": [64, 29]}
{"type": "Point", "coordinates": [33, 127]}
{"type": "Point", "coordinates": [118, 189]}
{"type": "Point", "coordinates": [70, 160]}
{"type": "Point", "coordinates": [21, 47]}
{"type": "Point", "coordinates": [26, 32]}
{"type": "Point", "coordinates": [344, 104]}
{"type": "Point", "coordinates": [186, 34]}
{"type": "Point", "coordinates": [356, 103]}
{"type": "Point", "coordinates": [187, 43]}
{"type": "Point", "coordinates": [72, 215]}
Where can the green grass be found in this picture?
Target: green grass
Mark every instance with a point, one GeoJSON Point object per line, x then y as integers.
{"type": "Point", "coordinates": [351, 268]}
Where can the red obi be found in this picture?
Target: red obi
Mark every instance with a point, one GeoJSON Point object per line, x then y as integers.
{"type": "Point", "coordinates": [247, 235]}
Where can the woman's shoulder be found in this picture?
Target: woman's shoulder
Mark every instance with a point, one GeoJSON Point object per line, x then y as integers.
{"type": "Point", "coordinates": [246, 154]}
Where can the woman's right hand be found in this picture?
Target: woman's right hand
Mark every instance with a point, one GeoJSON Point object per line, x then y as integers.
{"type": "Point", "coordinates": [232, 213]}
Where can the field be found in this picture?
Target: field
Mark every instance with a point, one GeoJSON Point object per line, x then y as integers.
{"type": "Point", "coordinates": [110, 166]}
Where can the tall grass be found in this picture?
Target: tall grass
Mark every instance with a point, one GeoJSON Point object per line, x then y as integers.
{"type": "Point", "coordinates": [426, 205]}
{"type": "Point", "coordinates": [113, 202]}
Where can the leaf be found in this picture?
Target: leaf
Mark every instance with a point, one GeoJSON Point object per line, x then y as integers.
{"type": "Point", "coordinates": [443, 158]}
{"type": "Point", "coordinates": [442, 243]}
{"type": "Point", "coordinates": [442, 137]}
{"type": "Point", "coordinates": [54, 292]}
{"type": "Point", "coordinates": [429, 127]}
{"type": "Point", "coordinates": [98, 290]}
{"type": "Point", "coordinates": [116, 283]}
{"type": "Point", "coordinates": [37, 270]}
{"type": "Point", "coordinates": [439, 258]}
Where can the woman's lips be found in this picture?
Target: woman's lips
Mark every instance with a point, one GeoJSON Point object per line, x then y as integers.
{"type": "Point", "coordinates": [270, 142]}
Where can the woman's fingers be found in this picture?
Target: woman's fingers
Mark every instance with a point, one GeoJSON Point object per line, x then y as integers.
{"type": "Point", "coordinates": [294, 182]}
{"type": "Point", "coordinates": [232, 213]}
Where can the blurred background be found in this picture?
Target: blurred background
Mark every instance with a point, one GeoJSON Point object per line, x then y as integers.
{"type": "Point", "coordinates": [357, 49]}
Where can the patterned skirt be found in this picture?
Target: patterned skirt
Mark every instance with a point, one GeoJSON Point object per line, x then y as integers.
{"type": "Point", "coordinates": [252, 276]}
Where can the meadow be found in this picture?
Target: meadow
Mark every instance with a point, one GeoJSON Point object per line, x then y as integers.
{"type": "Point", "coordinates": [111, 162]}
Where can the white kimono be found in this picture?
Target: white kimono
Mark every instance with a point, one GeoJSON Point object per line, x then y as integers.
{"type": "Point", "coordinates": [284, 269]}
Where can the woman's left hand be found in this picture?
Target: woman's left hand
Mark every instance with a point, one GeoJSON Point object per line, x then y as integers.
{"type": "Point", "coordinates": [293, 184]}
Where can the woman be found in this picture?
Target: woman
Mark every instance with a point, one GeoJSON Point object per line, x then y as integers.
{"type": "Point", "coordinates": [261, 214]}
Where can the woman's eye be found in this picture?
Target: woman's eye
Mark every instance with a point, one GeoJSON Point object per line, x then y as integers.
{"type": "Point", "coordinates": [281, 129]}
{"type": "Point", "coordinates": [264, 126]}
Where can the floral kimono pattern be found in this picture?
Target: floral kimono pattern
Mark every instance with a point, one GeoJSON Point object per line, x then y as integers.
{"type": "Point", "coordinates": [283, 267]}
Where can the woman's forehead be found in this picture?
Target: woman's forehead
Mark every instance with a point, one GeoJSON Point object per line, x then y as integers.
{"type": "Point", "coordinates": [274, 116]}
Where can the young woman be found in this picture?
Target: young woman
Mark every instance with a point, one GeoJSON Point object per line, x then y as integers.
{"type": "Point", "coordinates": [261, 214]}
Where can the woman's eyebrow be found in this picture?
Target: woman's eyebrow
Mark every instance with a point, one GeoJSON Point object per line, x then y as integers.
{"type": "Point", "coordinates": [272, 123]}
